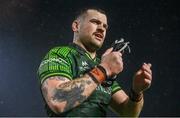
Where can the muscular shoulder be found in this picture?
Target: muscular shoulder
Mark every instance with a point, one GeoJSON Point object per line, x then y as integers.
{"type": "Point", "coordinates": [57, 62]}
{"type": "Point", "coordinates": [62, 50]}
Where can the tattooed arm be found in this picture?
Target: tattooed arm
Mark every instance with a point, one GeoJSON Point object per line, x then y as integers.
{"type": "Point", "coordinates": [61, 94]}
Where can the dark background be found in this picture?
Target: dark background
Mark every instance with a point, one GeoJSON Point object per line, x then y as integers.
{"type": "Point", "coordinates": [29, 28]}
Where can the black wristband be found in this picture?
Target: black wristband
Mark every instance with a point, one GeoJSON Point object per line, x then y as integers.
{"type": "Point", "coordinates": [103, 70]}
{"type": "Point", "coordinates": [134, 96]}
{"type": "Point", "coordinates": [93, 78]}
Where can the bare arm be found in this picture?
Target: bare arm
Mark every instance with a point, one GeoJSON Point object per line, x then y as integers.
{"type": "Point", "coordinates": [122, 105]}
{"type": "Point", "coordinates": [61, 94]}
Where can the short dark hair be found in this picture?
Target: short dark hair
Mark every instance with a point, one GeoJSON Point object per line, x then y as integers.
{"type": "Point", "coordinates": [83, 11]}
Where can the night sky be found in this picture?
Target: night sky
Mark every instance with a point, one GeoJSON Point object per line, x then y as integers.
{"type": "Point", "coordinates": [30, 28]}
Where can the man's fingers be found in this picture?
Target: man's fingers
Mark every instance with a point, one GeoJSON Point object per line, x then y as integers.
{"type": "Point", "coordinates": [146, 68]}
{"type": "Point", "coordinates": [149, 64]}
{"type": "Point", "coordinates": [148, 82]}
{"type": "Point", "coordinates": [108, 51]}
{"type": "Point", "coordinates": [147, 75]}
{"type": "Point", "coordinates": [120, 54]}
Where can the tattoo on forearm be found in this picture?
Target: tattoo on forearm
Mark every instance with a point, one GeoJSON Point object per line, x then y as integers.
{"type": "Point", "coordinates": [71, 93]}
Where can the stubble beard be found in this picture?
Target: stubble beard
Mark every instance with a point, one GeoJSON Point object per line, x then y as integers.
{"type": "Point", "coordinates": [93, 45]}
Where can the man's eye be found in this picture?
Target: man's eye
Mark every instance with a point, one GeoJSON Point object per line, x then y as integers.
{"type": "Point", "coordinates": [105, 26]}
{"type": "Point", "coordinates": [95, 22]}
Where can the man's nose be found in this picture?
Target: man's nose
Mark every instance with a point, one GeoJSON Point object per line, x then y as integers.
{"type": "Point", "coordinates": [100, 28]}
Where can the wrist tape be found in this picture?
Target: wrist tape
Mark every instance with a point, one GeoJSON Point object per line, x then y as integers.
{"type": "Point", "coordinates": [98, 74]}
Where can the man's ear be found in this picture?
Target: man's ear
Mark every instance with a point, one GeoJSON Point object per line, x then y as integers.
{"type": "Point", "coordinates": [75, 26]}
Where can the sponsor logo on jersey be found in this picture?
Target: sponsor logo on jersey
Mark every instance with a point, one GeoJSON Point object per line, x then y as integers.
{"type": "Point", "coordinates": [58, 60]}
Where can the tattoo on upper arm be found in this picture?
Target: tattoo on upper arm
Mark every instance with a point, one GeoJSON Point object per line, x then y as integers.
{"type": "Point", "coordinates": [71, 93]}
{"type": "Point", "coordinates": [45, 84]}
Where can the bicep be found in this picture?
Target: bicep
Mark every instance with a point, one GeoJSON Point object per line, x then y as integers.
{"type": "Point", "coordinates": [118, 100]}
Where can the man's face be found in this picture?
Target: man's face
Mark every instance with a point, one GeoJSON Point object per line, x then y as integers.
{"type": "Point", "coordinates": [92, 29]}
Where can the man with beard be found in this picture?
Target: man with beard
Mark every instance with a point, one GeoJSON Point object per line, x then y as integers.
{"type": "Point", "coordinates": [73, 78]}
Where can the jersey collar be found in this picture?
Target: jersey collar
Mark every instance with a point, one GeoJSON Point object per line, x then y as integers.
{"type": "Point", "coordinates": [81, 50]}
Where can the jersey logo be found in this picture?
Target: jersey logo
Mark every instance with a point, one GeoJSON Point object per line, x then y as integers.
{"type": "Point", "coordinates": [84, 66]}
{"type": "Point", "coordinates": [84, 63]}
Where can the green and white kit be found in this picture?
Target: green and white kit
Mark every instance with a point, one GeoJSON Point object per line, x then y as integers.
{"type": "Point", "coordinates": [71, 62]}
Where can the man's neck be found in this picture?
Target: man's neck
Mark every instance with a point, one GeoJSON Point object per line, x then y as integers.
{"type": "Point", "coordinates": [92, 54]}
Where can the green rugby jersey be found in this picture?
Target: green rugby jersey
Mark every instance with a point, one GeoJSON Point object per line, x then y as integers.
{"type": "Point", "coordinates": [71, 62]}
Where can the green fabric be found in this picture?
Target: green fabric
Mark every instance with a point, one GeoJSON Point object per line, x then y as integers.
{"type": "Point", "coordinates": [72, 61]}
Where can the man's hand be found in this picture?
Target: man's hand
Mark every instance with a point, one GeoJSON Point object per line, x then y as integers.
{"type": "Point", "coordinates": [142, 79]}
{"type": "Point", "coordinates": [112, 62]}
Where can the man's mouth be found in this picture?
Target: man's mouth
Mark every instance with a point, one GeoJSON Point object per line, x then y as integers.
{"type": "Point", "coordinates": [99, 36]}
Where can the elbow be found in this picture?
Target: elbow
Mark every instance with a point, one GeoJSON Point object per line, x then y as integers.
{"type": "Point", "coordinates": [57, 108]}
